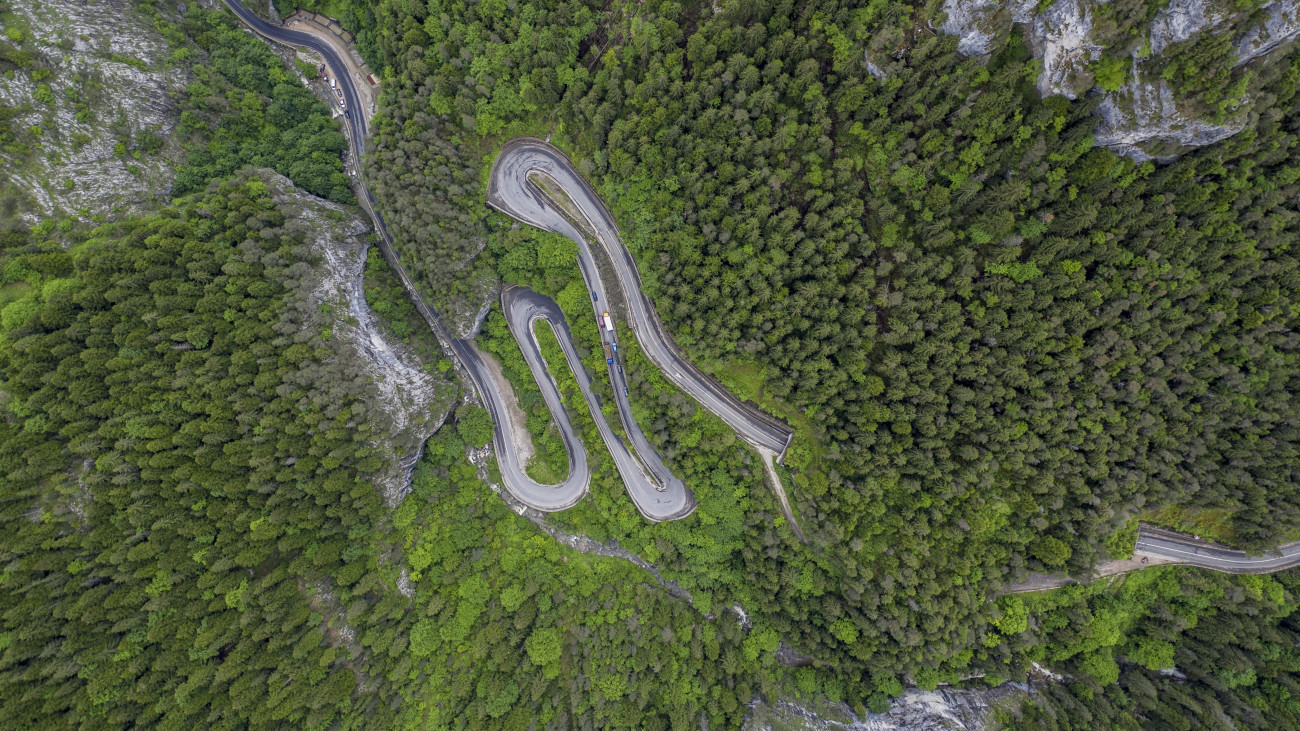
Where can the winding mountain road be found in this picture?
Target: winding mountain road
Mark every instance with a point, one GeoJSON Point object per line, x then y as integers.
{"type": "Point", "coordinates": [1172, 547]}
{"type": "Point", "coordinates": [511, 191]}
{"type": "Point", "coordinates": [355, 119]}
{"type": "Point", "coordinates": [658, 494]}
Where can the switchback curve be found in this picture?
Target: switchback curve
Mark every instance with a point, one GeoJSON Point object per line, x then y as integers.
{"type": "Point", "coordinates": [511, 191]}
{"type": "Point", "coordinates": [657, 493]}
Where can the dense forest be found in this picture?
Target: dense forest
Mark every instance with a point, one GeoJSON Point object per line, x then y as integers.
{"type": "Point", "coordinates": [1003, 342]}
{"type": "Point", "coordinates": [182, 496]}
{"type": "Point", "coordinates": [999, 344]}
{"type": "Point", "coordinates": [245, 107]}
{"type": "Point", "coordinates": [1194, 651]}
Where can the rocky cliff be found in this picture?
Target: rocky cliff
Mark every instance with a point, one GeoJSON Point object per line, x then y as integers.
{"type": "Point", "coordinates": [1172, 77]}
{"type": "Point", "coordinates": [944, 709]}
{"type": "Point", "coordinates": [85, 123]}
{"type": "Point", "coordinates": [402, 396]}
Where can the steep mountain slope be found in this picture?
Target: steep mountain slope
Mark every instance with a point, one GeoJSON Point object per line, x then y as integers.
{"type": "Point", "coordinates": [87, 117]}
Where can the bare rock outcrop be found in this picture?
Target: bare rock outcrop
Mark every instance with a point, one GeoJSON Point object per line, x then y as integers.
{"type": "Point", "coordinates": [873, 69]}
{"type": "Point", "coordinates": [943, 709]}
{"type": "Point", "coordinates": [97, 79]}
{"type": "Point", "coordinates": [1144, 118]}
{"type": "Point", "coordinates": [1181, 20]}
{"type": "Point", "coordinates": [980, 23]}
{"type": "Point", "coordinates": [401, 397]}
{"type": "Point", "coordinates": [1062, 37]}
{"type": "Point", "coordinates": [1281, 26]}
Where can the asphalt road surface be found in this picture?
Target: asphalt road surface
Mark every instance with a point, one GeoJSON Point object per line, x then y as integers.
{"type": "Point", "coordinates": [509, 191]}
{"type": "Point", "coordinates": [1178, 548]}
{"type": "Point", "coordinates": [1160, 547]}
{"type": "Point", "coordinates": [657, 493]}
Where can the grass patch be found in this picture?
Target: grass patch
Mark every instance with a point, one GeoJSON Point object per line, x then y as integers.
{"type": "Point", "coordinates": [13, 24]}
{"type": "Point", "coordinates": [808, 449]}
{"type": "Point", "coordinates": [129, 61]}
{"type": "Point", "coordinates": [1214, 524]}
{"type": "Point", "coordinates": [550, 462]}
{"type": "Point", "coordinates": [13, 291]}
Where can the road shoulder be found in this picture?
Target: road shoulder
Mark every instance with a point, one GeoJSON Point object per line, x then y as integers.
{"type": "Point", "coordinates": [516, 420]}
{"type": "Point", "coordinates": [310, 23]}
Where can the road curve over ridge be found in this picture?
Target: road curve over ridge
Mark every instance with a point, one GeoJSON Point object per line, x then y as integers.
{"type": "Point", "coordinates": [1161, 547]}
{"type": "Point", "coordinates": [656, 492]}
{"type": "Point", "coordinates": [510, 192]}
{"type": "Point", "coordinates": [355, 118]}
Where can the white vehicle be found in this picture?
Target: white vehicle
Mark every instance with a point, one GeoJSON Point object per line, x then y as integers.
{"type": "Point", "coordinates": [334, 83]}
{"type": "Point", "coordinates": [609, 323]}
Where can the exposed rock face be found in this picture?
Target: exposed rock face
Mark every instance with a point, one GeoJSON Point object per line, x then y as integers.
{"type": "Point", "coordinates": [1282, 26]}
{"type": "Point", "coordinates": [1061, 36]}
{"type": "Point", "coordinates": [945, 709]}
{"type": "Point", "coordinates": [1143, 119]}
{"type": "Point", "coordinates": [1181, 20]}
{"type": "Point", "coordinates": [404, 400]}
{"type": "Point", "coordinates": [873, 69]}
{"type": "Point", "coordinates": [106, 62]}
{"type": "Point", "coordinates": [980, 23]}
{"type": "Point", "coordinates": [975, 22]}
